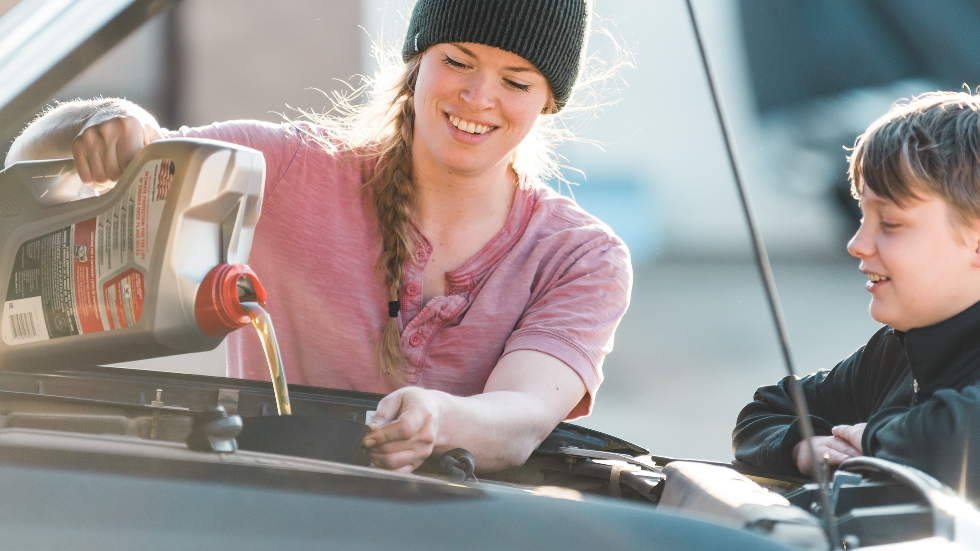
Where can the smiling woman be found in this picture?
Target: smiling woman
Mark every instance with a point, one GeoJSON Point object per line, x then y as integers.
{"type": "Point", "coordinates": [408, 244]}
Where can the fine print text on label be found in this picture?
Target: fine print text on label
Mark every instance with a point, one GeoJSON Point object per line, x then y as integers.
{"type": "Point", "coordinates": [88, 277]}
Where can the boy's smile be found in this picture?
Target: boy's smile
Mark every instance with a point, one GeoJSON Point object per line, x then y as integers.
{"type": "Point", "coordinates": [875, 281]}
{"type": "Point", "coordinates": [923, 265]}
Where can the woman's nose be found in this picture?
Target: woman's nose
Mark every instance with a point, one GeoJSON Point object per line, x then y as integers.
{"type": "Point", "coordinates": [860, 246]}
{"type": "Point", "coordinates": [479, 92]}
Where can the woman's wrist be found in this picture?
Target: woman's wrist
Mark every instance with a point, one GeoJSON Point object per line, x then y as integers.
{"type": "Point", "coordinates": [447, 412]}
{"type": "Point", "coordinates": [51, 135]}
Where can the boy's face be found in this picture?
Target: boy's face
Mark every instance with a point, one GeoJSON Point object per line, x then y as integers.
{"type": "Point", "coordinates": [922, 266]}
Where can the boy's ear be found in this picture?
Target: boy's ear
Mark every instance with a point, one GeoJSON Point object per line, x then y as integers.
{"type": "Point", "coordinates": [974, 237]}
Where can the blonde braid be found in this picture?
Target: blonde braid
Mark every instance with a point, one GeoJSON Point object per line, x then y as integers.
{"type": "Point", "coordinates": [393, 186]}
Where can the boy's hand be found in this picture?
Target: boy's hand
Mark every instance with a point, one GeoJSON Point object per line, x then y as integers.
{"type": "Point", "coordinates": [836, 449]}
{"type": "Point", "coordinates": [852, 434]}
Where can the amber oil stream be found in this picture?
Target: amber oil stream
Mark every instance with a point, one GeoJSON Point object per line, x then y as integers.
{"type": "Point", "coordinates": [262, 322]}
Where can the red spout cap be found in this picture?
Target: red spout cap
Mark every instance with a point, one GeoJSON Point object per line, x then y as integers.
{"type": "Point", "coordinates": [218, 307]}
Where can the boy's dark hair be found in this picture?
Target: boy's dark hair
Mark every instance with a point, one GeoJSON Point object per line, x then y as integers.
{"type": "Point", "coordinates": [929, 145]}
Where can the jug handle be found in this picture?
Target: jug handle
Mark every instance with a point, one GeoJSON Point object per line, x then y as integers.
{"type": "Point", "coordinates": [52, 182]}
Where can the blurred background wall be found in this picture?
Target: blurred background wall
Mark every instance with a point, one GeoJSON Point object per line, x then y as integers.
{"type": "Point", "coordinates": [800, 81]}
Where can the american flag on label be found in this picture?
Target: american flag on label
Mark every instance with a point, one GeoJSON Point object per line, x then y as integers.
{"type": "Point", "coordinates": [164, 177]}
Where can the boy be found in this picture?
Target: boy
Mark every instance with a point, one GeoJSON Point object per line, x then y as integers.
{"type": "Point", "coordinates": [912, 394]}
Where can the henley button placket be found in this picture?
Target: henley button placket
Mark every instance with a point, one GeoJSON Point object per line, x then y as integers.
{"type": "Point", "coordinates": [425, 325]}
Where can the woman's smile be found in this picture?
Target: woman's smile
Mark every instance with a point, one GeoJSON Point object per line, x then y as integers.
{"type": "Point", "coordinates": [468, 132]}
{"type": "Point", "coordinates": [470, 127]}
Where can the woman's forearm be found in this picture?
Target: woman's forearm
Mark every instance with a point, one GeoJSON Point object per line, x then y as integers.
{"type": "Point", "coordinates": [500, 428]}
{"type": "Point", "coordinates": [50, 136]}
{"type": "Point", "coordinates": [527, 394]}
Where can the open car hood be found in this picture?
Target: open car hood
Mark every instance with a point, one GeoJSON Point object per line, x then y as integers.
{"type": "Point", "coordinates": [46, 43]}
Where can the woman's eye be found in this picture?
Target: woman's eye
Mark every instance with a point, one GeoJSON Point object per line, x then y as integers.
{"type": "Point", "coordinates": [453, 63]}
{"type": "Point", "coordinates": [517, 85]}
{"type": "Point", "coordinates": [887, 225]}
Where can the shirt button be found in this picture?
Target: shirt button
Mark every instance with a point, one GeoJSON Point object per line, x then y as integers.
{"type": "Point", "coordinates": [415, 340]}
{"type": "Point", "coordinates": [420, 254]}
{"type": "Point", "coordinates": [412, 289]}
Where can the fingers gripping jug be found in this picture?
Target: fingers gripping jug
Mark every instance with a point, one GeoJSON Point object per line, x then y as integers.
{"type": "Point", "coordinates": [154, 267]}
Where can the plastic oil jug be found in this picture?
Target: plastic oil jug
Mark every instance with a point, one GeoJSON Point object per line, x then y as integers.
{"type": "Point", "coordinates": [155, 266]}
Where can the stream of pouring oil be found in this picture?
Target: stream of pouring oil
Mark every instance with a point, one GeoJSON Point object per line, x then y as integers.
{"type": "Point", "coordinates": [267, 334]}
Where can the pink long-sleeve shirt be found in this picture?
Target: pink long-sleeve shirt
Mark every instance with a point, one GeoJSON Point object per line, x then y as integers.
{"type": "Point", "coordinates": [554, 279]}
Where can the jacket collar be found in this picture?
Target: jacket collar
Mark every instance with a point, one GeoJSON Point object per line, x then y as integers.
{"type": "Point", "coordinates": [947, 354]}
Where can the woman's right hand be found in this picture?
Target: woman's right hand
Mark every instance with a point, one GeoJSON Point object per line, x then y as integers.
{"type": "Point", "coordinates": [103, 150]}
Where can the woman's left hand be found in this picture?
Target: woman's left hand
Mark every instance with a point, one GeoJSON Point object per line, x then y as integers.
{"type": "Point", "coordinates": [404, 429]}
{"type": "Point", "coordinates": [527, 394]}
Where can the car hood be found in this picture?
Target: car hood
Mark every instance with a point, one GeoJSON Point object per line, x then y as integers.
{"type": "Point", "coordinates": [97, 491]}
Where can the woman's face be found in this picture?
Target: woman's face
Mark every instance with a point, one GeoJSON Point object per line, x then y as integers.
{"type": "Point", "coordinates": [473, 106]}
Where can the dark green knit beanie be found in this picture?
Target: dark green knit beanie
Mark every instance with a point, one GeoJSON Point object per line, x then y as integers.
{"type": "Point", "coordinates": [550, 34]}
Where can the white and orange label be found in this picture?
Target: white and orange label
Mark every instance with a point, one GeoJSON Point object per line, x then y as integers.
{"type": "Point", "coordinates": [90, 276]}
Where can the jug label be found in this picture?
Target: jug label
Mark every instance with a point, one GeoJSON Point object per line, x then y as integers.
{"type": "Point", "coordinates": [88, 277]}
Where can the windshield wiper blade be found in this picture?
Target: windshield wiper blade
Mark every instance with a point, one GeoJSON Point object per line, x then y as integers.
{"type": "Point", "coordinates": [46, 43]}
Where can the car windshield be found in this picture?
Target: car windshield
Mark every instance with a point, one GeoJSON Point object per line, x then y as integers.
{"type": "Point", "coordinates": [698, 337]}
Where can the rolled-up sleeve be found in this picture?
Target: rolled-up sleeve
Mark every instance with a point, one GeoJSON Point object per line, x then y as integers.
{"type": "Point", "coordinates": [278, 143]}
{"type": "Point", "coordinates": [576, 315]}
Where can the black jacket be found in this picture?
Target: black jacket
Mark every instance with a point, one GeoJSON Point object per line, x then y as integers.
{"type": "Point", "coordinates": [918, 392]}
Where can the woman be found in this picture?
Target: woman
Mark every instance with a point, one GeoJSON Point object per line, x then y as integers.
{"type": "Point", "coordinates": [420, 262]}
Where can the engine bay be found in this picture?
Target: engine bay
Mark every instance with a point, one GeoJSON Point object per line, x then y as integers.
{"type": "Point", "coordinates": [874, 502]}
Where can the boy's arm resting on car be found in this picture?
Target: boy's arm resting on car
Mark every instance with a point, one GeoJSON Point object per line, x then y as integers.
{"type": "Point", "coordinates": [940, 436]}
{"type": "Point", "coordinates": [767, 431]}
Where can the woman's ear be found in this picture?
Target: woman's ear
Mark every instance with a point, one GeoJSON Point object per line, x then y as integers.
{"type": "Point", "coordinates": [550, 107]}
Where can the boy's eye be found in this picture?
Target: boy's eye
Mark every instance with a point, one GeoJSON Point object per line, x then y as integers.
{"type": "Point", "coordinates": [517, 85]}
{"type": "Point", "coordinates": [887, 225]}
{"type": "Point", "coordinates": [453, 63]}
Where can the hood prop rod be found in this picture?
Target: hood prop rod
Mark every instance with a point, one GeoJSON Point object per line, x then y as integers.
{"type": "Point", "coordinates": [765, 269]}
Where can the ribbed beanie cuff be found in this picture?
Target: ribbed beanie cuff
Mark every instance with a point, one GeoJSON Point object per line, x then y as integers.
{"type": "Point", "coordinates": [550, 34]}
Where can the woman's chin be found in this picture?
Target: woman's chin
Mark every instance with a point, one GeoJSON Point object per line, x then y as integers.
{"type": "Point", "coordinates": [468, 166]}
